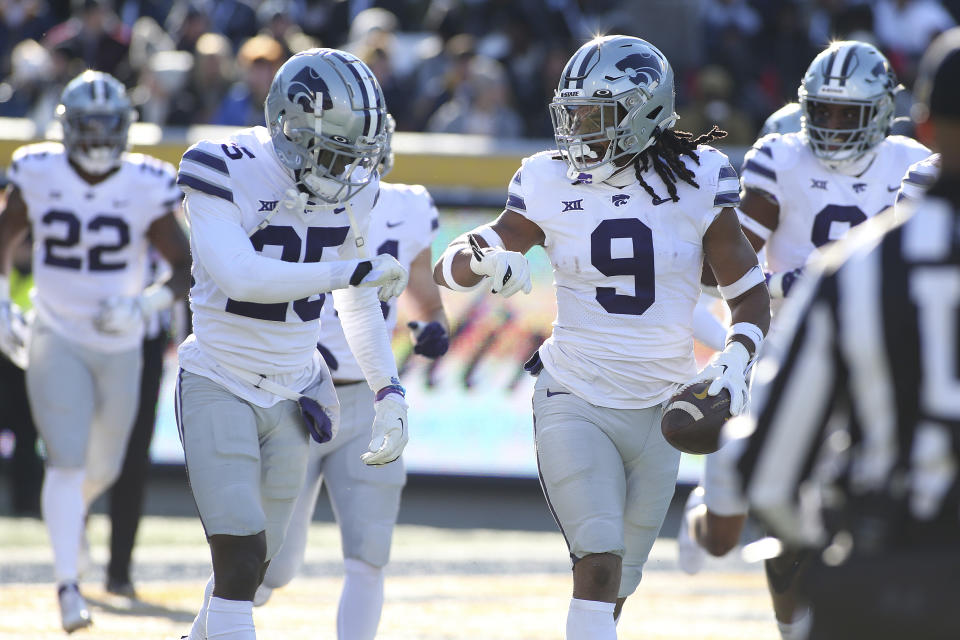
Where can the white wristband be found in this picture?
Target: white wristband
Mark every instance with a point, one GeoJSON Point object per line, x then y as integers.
{"type": "Point", "coordinates": [753, 226]}
{"type": "Point", "coordinates": [446, 267]}
{"type": "Point", "coordinates": [4, 288]}
{"type": "Point", "coordinates": [492, 237]}
{"type": "Point", "coordinates": [748, 330]}
{"type": "Point", "coordinates": [747, 281]}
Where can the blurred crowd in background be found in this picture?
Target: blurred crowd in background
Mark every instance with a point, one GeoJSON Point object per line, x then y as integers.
{"type": "Point", "coordinates": [455, 66]}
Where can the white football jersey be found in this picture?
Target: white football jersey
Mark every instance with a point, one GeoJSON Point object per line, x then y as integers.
{"type": "Point", "coordinates": [626, 273]}
{"type": "Point", "coordinates": [89, 241]}
{"type": "Point", "coordinates": [919, 177]}
{"type": "Point", "coordinates": [279, 340]}
{"type": "Point", "coordinates": [403, 223]}
{"type": "Point", "coordinates": [818, 205]}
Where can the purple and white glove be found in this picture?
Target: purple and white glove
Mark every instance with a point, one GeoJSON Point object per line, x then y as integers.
{"type": "Point", "coordinates": [781, 282]}
{"type": "Point", "coordinates": [389, 432]}
{"type": "Point", "coordinates": [430, 338]}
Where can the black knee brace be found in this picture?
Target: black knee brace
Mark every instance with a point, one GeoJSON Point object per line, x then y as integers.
{"type": "Point", "coordinates": [238, 565]}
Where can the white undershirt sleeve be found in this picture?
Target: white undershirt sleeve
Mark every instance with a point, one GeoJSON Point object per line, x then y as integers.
{"type": "Point", "coordinates": [362, 321]}
{"type": "Point", "coordinates": [221, 245]}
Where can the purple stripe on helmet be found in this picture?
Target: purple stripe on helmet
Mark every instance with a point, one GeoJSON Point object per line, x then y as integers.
{"type": "Point", "coordinates": [367, 101]}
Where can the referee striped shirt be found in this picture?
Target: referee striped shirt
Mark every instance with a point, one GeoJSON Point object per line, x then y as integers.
{"type": "Point", "coordinates": [856, 404]}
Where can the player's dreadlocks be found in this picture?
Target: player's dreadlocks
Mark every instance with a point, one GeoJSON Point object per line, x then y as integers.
{"type": "Point", "coordinates": [665, 157]}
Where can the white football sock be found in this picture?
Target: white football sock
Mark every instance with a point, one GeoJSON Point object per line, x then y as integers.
{"type": "Point", "coordinates": [590, 620]}
{"type": "Point", "coordinates": [62, 502]}
{"type": "Point", "coordinates": [361, 601]}
{"type": "Point", "coordinates": [799, 629]}
{"type": "Point", "coordinates": [230, 620]}
{"type": "Point", "coordinates": [199, 629]}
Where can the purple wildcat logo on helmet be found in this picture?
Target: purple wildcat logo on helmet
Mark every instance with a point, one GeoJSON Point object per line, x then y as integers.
{"type": "Point", "coordinates": [304, 87]}
{"type": "Point", "coordinates": [642, 68]}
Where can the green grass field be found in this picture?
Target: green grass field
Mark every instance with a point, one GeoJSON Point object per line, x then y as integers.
{"type": "Point", "coordinates": [442, 584]}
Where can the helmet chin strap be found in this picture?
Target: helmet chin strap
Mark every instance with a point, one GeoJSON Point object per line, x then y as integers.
{"type": "Point", "coordinates": [320, 186]}
{"type": "Point", "coordinates": [623, 176]}
{"type": "Point", "coordinates": [854, 167]}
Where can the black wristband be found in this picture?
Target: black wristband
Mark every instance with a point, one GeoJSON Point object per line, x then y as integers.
{"type": "Point", "coordinates": [361, 272]}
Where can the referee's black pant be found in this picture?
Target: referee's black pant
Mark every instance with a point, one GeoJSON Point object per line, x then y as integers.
{"type": "Point", "coordinates": [126, 496]}
{"type": "Point", "coordinates": [26, 466]}
{"type": "Point", "coordinates": [906, 594]}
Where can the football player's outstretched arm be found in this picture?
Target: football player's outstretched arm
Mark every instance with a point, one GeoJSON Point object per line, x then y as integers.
{"type": "Point", "coordinates": [741, 283]}
{"type": "Point", "coordinates": [505, 241]}
{"type": "Point", "coordinates": [430, 330]}
{"type": "Point", "coordinates": [221, 245]}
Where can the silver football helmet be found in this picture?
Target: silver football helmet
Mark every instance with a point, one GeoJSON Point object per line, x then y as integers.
{"type": "Point", "coordinates": [849, 74]}
{"type": "Point", "coordinates": [95, 114]}
{"type": "Point", "coordinates": [386, 162]}
{"type": "Point", "coordinates": [327, 119]}
{"type": "Point", "coordinates": [786, 119]}
{"type": "Point", "coordinates": [615, 96]}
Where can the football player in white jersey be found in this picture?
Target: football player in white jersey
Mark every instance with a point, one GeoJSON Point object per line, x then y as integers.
{"type": "Point", "coordinates": [628, 210]}
{"type": "Point", "coordinates": [93, 210]}
{"type": "Point", "coordinates": [366, 501]}
{"type": "Point", "coordinates": [801, 191]}
{"type": "Point", "coordinates": [278, 218]}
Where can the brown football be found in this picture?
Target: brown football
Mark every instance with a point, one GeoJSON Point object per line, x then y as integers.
{"type": "Point", "coordinates": [692, 420]}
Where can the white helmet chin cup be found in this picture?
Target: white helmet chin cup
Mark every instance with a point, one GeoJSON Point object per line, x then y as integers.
{"type": "Point", "coordinates": [96, 161]}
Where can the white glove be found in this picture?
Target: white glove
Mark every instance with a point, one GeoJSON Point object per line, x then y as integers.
{"type": "Point", "coordinates": [389, 435]}
{"type": "Point", "coordinates": [509, 270]}
{"type": "Point", "coordinates": [122, 314]}
{"type": "Point", "coordinates": [386, 273]}
{"type": "Point", "coordinates": [13, 333]}
{"type": "Point", "coordinates": [728, 370]}
{"type": "Point", "coordinates": [119, 314]}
